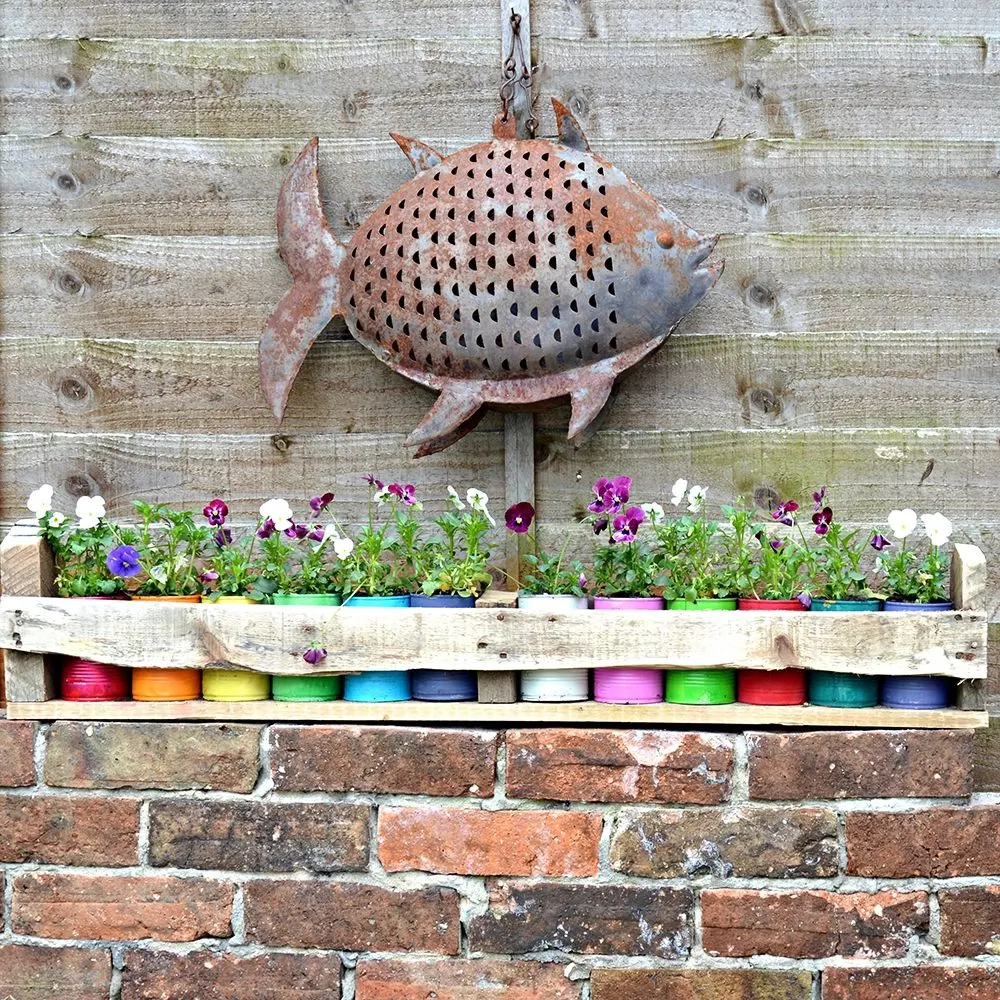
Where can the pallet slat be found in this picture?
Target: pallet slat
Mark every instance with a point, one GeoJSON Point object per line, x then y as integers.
{"type": "Point", "coordinates": [520, 713]}
{"type": "Point", "coordinates": [272, 639]}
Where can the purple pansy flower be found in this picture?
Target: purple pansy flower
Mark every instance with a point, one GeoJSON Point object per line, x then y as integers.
{"type": "Point", "coordinates": [316, 533]}
{"type": "Point", "coordinates": [600, 488]}
{"type": "Point", "coordinates": [519, 517]}
{"type": "Point", "coordinates": [297, 531]}
{"type": "Point", "coordinates": [879, 542]}
{"type": "Point", "coordinates": [776, 544]}
{"type": "Point", "coordinates": [266, 529]}
{"type": "Point", "coordinates": [823, 519]}
{"type": "Point", "coordinates": [216, 511]}
{"type": "Point", "coordinates": [314, 655]}
{"type": "Point", "coordinates": [626, 525]}
{"type": "Point", "coordinates": [321, 502]}
{"type": "Point", "coordinates": [783, 515]}
{"type": "Point", "coordinates": [818, 499]}
{"type": "Point", "coordinates": [405, 494]}
{"type": "Point", "coordinates": [209, 576]}
{"type": "Point", "coordinates": [600, 524]}
{"type": "Point", "coordinates": [582, 581]}
{"type": "Point", "coordinates": [123, 561]}
{"type": "Point", "coordinates": [372, 481]}
{"type": "Point", "coordinates": [222, 538]}
{"type": "Point", "coordinates": [805, 600]}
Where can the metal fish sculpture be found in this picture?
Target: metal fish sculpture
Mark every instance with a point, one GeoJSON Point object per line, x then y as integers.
{"type": "Point", "coordinates": [510, 273]}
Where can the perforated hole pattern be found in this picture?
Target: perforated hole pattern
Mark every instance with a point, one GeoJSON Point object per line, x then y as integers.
{"type": "Point", "coordinates": [498, 263]}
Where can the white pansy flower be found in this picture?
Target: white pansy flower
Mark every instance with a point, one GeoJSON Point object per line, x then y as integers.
{"type": "Point", "coordinates": [343, 547]}
{"type": "Point", "coordinates": [902, 522]}
{"type": "Point", "coordinates": [455, 498]}
{"type": "Point", "coordinates": [40, 500]}
{"type": "Point", "coordinates": [677, 494]}
{"type": "Point", "coordinates": [938, 528]}
{"type": "Point", "coordinates": [278, 512]}
{"type": "Point", "coordinates": [90, 510]}
{"type": "Point", "coordinates": [696, 499]}
{"type": "Point", "coordinates": [383, 495]}
{"type": "Point", "coordinates": [56, 520]}
{"type": "Point", "coordinates": [478, 500]}
{"type": "Point", "coordinates": [655, 512]}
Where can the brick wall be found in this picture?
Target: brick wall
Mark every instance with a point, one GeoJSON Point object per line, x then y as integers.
{"type": "Point", "coordinates": [208, 861]}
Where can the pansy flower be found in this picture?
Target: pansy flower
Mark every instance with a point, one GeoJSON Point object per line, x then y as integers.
{"type": "Point", "coordinates": [823, 519]}
{"type": "Point", "coordinates": [627, 525]}
{"type": "Point", "coordinates": [216, 511]}
{"type": "Point", "coordinates": [519, 516]}
{"type": "Point", "coordinates": [318, 503]}
{"type": "Point", "coordinates": [123, 561]}
{"type": "Point", "coordinates": [784, 512]}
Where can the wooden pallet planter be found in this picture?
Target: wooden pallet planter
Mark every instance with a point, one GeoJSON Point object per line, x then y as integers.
{"type": "Point", "coordinates": [495, 641]}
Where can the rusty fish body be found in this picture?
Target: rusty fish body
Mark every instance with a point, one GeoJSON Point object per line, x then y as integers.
{"type": "Point", "coordinates": [510, 273]}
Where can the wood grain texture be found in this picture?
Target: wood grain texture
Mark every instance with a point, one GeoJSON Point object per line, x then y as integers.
{"type": "Point", "coordinates": [801, 86]}
{"type": "Point", "coordinates": [522, 713]}
{"type": "Point", "coordinates": [272, 639]}
{"type": "Point", "coordinates": [190, 469]}
{"type": "Point", "coordinates": [225, 287]}
{"type": "Point", "coordinates": [228, 187]}
{"type": "Point", "coordinates": [968, 590]}
{"type": "Point", "coordinates": [578, 19]}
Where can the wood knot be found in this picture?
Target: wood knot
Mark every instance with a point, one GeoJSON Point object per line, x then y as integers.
{"type": "Point", "coordinates": [281, 442]}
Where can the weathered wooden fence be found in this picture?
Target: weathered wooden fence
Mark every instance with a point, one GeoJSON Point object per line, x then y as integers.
{"type": "Point", "coordinates": [849, 154]}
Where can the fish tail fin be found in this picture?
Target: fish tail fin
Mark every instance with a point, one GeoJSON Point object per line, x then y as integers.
{"type": "Point", "coordinates": [314, 257]}
{"type": "Point", "coordinates": [455, 412]}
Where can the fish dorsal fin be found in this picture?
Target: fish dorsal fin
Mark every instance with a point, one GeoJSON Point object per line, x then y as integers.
{"type": "Point", "coordinates": [422, 156]}
{"type": "Point", "coordinates": [570, 132]}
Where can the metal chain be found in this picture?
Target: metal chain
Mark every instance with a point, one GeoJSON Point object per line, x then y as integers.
{"type": "Point", "coordinates": [512, 79]}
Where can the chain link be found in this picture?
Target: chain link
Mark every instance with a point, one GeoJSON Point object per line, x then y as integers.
{"type": "Point", "coordinates": [512, 79]}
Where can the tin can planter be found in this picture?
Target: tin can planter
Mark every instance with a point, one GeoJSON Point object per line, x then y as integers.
{"type": "Point", "coordinates": [154, 684]}
{"type": "Point", "coordinates": [917, 693]}
{"type": "Point", "coordinates": [702, 687]}
{"type": "Point", "coordinates": [87, 680]}
{"type": "Point", "coordinates": [378, 685]}
{"type": "Point", "coordinates": [553, 685]}
{"type": "Point", "coordinates": [628, 685]}
{"type": "Point", "coordinates": [310, 688]}
{"type": "Point", "coordinates": [443, 685]}
{"type": "Point", "coordinates": [770, 687]}
{"type": "Point", "coordinates": [235, 685]}
{"type": "Point", "coordinates": [832, 690]}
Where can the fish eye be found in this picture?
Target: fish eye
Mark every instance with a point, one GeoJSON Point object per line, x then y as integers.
{"type": "Point", "coordinates": [665, 240]}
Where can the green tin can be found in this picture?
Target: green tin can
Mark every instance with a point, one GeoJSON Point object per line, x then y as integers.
{"type": "Point", "coordinates": [306, 688]}
{"type": "Point", "coordinates": [702, 687]}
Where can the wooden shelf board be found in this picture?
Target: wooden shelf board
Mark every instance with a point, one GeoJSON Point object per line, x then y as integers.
{"type": "Point", "coordinates": [519, 713]}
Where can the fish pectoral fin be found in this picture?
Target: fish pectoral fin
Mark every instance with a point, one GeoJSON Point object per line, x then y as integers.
{"type": "Point", "coordinates": [570, 132]}
{"type": "Point", "coordinates": [455, 412]}
{"type": "Point", "coordinates": [587, 404]}
{"type": "Point", "coordinates": [422, 156]}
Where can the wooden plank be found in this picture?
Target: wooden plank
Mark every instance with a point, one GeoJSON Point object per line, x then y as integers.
{"type": "Point", "coordinates": [521, 713]}
{"type": "Point", "coordinates": [251, 19]}
{"type": "Point", "coordinates": [600, 19]}
{"type": "Point", "coordinates": [26, 567]}
{"type": "Point", "coordinates": [223, 87]}
{"type": "Point", "coordinates": [968, 591]}
{"type": "Point", "coordinates": [271, 639]}
{"type": "Point", "coordinates": [189, 469]}
{"type": "Point", "coordinates": [724, 381]}
{"type": "Point", "coordinates": [612, 20]}
{"type": "Point", "coordinates": [228, 187]}
{"type": "Point", "coordinates": [217, 288]}
{"type": "Point", "coordinates": [867, 472]}
{"type": "Point", "coordinates": [802, 87]}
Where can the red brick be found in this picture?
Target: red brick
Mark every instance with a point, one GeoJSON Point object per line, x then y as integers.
{"type": "Point", "coordinates": [201, 975]}
{"type": "Point", "coordinates": [17, 751]}
{"type": "Point", "coordinates": [584, 920]}
{"type": "Point", "coordinates": [476, 842]}
{"type": "Point", "coordinates": [699, 984]}
{"type": "Point", "coordinates": [258, 836]}
{"type": "Point", "coordinates": [114, 907]}
{"type": "Point", "coordinates": [153, 755]}
{"type": "Point", "coordinates": [739, 923]}
{"type": "Point", "coordinates": [749, 842]}
{"type": "Point", "coordinates": [924, 982]}
{"type": "Point", "coordinates": [61, 830]}
{"type": "Point", "coordinates": [607, 765]}
{"type": "Point", "coordinates": [970, 921]}
{"type": "Point", "coordinates": [384, 759]}
{"type": "Point", "coordinates": [869, 764]}
{"type": "Point", "coordinates": [462, 980]}
{"type": "Point", "coordinates": [27, 972]}
{"type": "Point", "coordinates": [345, 916]}
{"type": "Point", "coordinates": [945, 843]}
